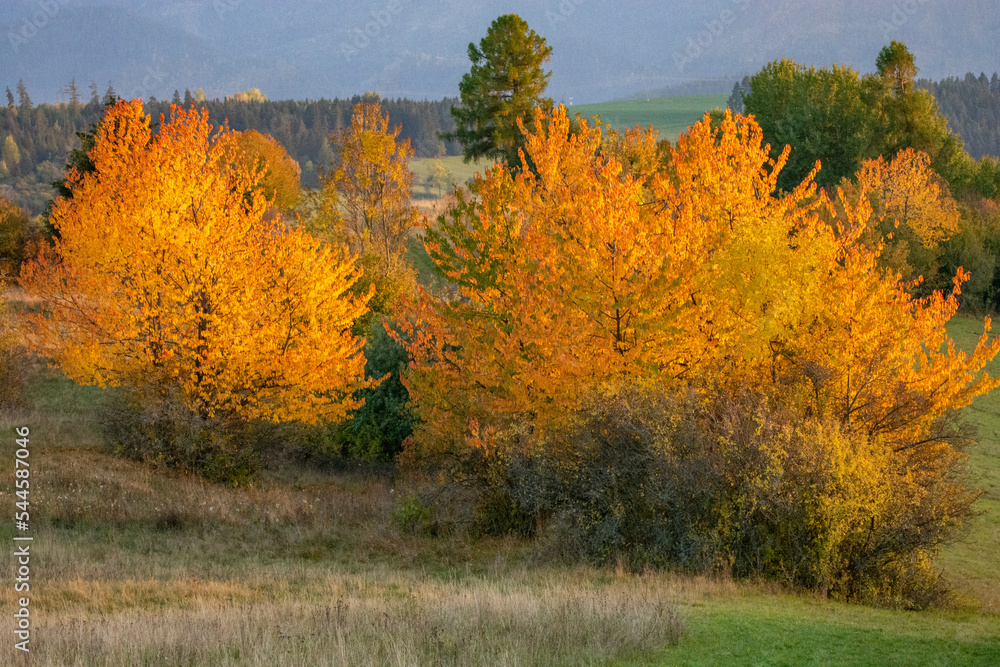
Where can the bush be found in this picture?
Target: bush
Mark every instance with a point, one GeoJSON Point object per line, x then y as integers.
{"type": "Point", "coordinates": [17, 234]}
{"type": "Point", "coordinates": [711, 481]}
{"type": "Point", "coordinates": [378, 428]}
{"type": "Point", "coordinates": [413, 515]}
{"type": "Point", "coordinates": [13, 358]}
{"type": "Point", "coordinates": [168, 433]}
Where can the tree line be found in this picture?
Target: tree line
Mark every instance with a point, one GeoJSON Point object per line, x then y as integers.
{"type": "Point", "coordinates": [36, 139]}
{"type": "Point", "coordinates": [972, 106]}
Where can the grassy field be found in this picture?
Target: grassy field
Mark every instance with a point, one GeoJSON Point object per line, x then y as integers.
{"type": "Point", "coordinates": [973, 563]}
{"type": "Point", "coordinates": [137, 566]}
{"type": "Point", "coordinates": [459, 172]}
{"type": "Point", "coordinates": [669, 115]}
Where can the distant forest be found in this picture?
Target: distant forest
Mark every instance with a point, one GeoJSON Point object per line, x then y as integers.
{"type": "Point", "coordinates": [972, 107]}
{"type": "Point", "coordinates": [35, 140]}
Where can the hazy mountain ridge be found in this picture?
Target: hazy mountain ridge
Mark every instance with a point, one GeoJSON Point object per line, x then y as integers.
{"type": "Point", "coordinates": [601, 50]}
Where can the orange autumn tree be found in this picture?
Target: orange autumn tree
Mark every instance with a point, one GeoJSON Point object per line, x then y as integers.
{"type": "Point", "coordinates": [364, 202]}
{"type": "Point", "coordinates": [166, 278]}
{"type": "Point", "coordinates": [568, 281]}
{"type": "Point", "coordinates": [913, 212]}
{"type": "Point", "coordinates": [279, 176]}
{"type": "Point", "coordinates": [581, 277]}
{"type": "Point", "coordinates": [685, 365]}
{"type": "Point", "coordinates": [785, 299]}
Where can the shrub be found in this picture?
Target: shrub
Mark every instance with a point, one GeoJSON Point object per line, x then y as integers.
{"type": "Point", "coordinates": [413, 515]}
{"type": "Point", "coordinates": [168, 433]}
{"type": "Point", "coordinates": [715, 481]}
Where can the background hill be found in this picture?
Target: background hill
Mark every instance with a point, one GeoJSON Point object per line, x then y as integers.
{"type": "Point", "coordinates": [602, 51]}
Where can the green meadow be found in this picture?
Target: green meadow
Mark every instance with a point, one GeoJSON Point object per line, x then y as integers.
{"type": "Point", "coordinates": [669, 115]}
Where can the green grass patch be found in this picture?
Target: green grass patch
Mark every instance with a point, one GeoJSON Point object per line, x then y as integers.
{"type": "Point", "coordinates": [788, 630]}
{"type": "Point", "coordinates": [669, 115]}
{"type": "Point", "coordinates": [972, 563]}
{"type": "Point", "coordinates": [458, 172]}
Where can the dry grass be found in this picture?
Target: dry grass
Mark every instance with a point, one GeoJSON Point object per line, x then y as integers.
{"type": "Point", "coordinates": [136, 565]}
{"type": "Point", "coordinates": [388, 620]}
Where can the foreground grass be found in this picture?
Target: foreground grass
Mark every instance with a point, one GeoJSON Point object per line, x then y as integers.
{"type": "Point", "coordinates": [787, 630]}
{"type": "Point", "coordinates": [133, 565]}
{"type": "Point", "coordinates": [669, 115]}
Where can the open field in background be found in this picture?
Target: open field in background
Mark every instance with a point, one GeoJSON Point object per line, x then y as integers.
{"type": "Point", "coordinates": [459, 172]}
{"type": "Point", "coordinates": [669, 115]}
{"type": "Point", "coordinates": [137, 566]}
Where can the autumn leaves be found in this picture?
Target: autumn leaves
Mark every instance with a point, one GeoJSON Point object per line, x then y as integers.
{"type": "Point", "coordinates": [652, 347]}
{"type": "Point", "coordinates": [590, 274]}
{"type": "Point", "coordinates": [609, 264]}
{"type": "Point", "coordinates": [658, 357]}
{"type": "Point", "coordinates": [167, 278]}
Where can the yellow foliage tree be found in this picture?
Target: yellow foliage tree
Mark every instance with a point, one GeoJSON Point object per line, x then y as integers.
{"type": "Point", "coordinates": [914, 211]}
{"type": "Point", "coordinates": [582, 276]}
{"type": "Point", "coordinates": [367, 194]}
{"type": "Point", "coordinates": [908, 192]}
{"type": "Point", "coordinates": [166, 277]}
{"type": "Point", "coordinates": [251, 95]}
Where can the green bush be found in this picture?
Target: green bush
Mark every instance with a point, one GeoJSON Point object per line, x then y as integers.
{"type": "Point", "coordinates": [413, 515]}
{"type": "Point", "coordinates": [377, 429]}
